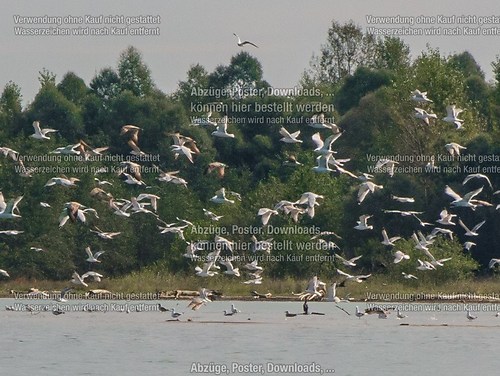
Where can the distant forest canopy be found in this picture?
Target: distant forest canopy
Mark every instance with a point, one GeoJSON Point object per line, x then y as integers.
{"type": "Point", "coordinates": [362, 83]}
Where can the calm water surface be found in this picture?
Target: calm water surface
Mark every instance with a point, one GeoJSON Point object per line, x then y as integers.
{"type": "Point", "coordinates": [434, 342]}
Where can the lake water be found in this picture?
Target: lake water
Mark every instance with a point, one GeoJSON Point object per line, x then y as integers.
{"type": "Point", "coordinates": [438, 340]}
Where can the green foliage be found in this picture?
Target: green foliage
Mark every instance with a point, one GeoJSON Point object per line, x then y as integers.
{"type": "Point", "coordinates": [54, 110]}
{"type": "Point", "coordinates": [10, 101]}
{"type": "Point", "coordinates": [370, 83]}
{"type": "Point", "coordinates": [106, 85]}
{"type": "Point", "coordinates": [466, 63]}
{"type": "Point", "coordinates": [346, 48]}
{"type": "Point", "coordinates": [73, 88]}
{"type": "Point", "coordinates": [243, 75]}
{"type": "Point", "coordinates": [362, 82]}
{"type": "Point", "coordinates": [393, 54]}
{"type": "Point", "coordinates": [134, 74]}
{"type": "Point", "coordinates": [46, 77]}
{"type": "Point", "coordinates": [197, 82]}
{"type": "Point", "coordinates": [10, 109]}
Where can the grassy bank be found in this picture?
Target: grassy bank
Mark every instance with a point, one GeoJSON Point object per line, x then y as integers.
{"type": "Point", "coordinates": [148, 281]}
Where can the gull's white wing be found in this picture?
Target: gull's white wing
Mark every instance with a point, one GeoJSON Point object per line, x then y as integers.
{"type": "Point", "coordinates": [317, 140]}
{"type": "Point", "coordinates": [98, 254]}
{"type": "Point", "coordinates": [463, 225]}
{"type": "Point", "coordinates": [36, 126]}
{"type": "Point", "coordinates": [470, 195]}
{"type": "Point", "coordinates": [2, 202]}
{"type": "Point", "coordinates": [456, 111]}
{"type": "Point", "coordinates": [285, 133]}
{"type": "Point", "coordinates": [89, 252]}
{"type": "Point", "coordinates": [340, 258]}
{"type": "Point", "coordinates": [344, 274]}
{"type": "Point", "coordinates": [385, 236]}
{"type": "Point", "coordinates": [476, 227]}
{"type": "Point", "coordinates": [331, 139]}
{"type": "Point", "coordinates": [450, 192]}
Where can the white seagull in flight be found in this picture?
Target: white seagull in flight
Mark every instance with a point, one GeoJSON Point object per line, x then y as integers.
{"type": "Point", "coordinates": [96, 277]}
{"type": "Point", "coordinates": [7, 209]}
{"type": "Point", "coordinates": [64, 181]}
{"type": "Point", "coordinates": [8, 152]}
{"type": "Point", "coordinates": [452, 116]}
{"type": "Point", "coordinates": [105, 235]}
{"type": "Point", "coordinates": [408, 276]}
{"type": "Point", "coordinates": [41, 134]}
{"type": "Point", "coordinates": [454, 148]}
{"type": "Point", "coordinates": [424, 115]}
{"type": "Point", "coordinates": [10, 232]}
{"type": "Point", "coordinates": [350, 262]}
{"type": "Point", "coordinates": [4, 273]}
{"type": "Point", "coordinates": [363, 223]}
{"type": "Point", "coordinates": [420, 96]}
{"type": "Point", "coordinates": [241, 44]}
{"type": "Point", "coordinates": [464, 201]}
{"type": "Point", "coordinates": [231, 270]}
{"type": "Point", "coordinates": [469, 232]}
{"type": "Point", "coordinates": [324, 147]}
{"type": "Point", "coordinates": [477, 176]}
{"type": "Point", "coordinates": [220, 197]}
{"type": "Point", "coordinates": [446, 218]}
{"type": "Point", "coordinates": [312, 291]}
{"type": "Point", "coordinates": [323, 164]}
{"type": "Point", "coordinates": [469, 245]}
{"type": "Point", "coordinates": [400, 256]}
{"type": "Point", "coordinates": [318, 121]}
{"type": "Point", "coordinates": [387, 165]}
{"type": "Point", "coordinates": [181, 149]}
{"type": "Point", "coordinates": [77, 280]}
{"type": "Point", "coordinates": [289, 138]}
{"type": "Point", "coordinates": [200, 300]}
{"type": "Point", "coordinates": [388, 241]}
{"type": "Point", "coordinates": [365, 188]}
{"type": "Point", "coordinates": [266, 214]}
{"type": "Point", "coordinates": [357, 278]}
{"type": "Point", "coordinates": [403, 199]}
{"type": "Point", "coordinates": [221, 130]}
{"type": "Point", "coordinates": [92, 257]}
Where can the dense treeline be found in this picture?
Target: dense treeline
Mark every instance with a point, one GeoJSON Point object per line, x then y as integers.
{"type": "Point", "coordinates": [368, 82]}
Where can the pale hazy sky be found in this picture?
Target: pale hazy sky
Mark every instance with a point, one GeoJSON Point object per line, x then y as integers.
{"type": "Point", "coordinates": [196, 31]}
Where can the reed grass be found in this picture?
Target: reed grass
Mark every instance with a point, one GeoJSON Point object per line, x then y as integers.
{"type": "Point", "coordinates": [152, 281]}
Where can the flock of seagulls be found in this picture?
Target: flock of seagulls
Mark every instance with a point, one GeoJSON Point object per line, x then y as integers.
{"type": "Point", "coordinates": [186, 148]}
{"type": "Point", "coordinates": [326, 163]}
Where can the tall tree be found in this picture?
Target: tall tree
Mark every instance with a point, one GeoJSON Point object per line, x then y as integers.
{"type": "Point", "coordinates": [241, 76]}
{"type": "Point", "coordinates": [73, 88]}
{"type": "Point", "coordinates": [106, 84]}
{"type": "Point", "coordinates": [53, 110]}
{"type": "Point", "coordinates": [346, 48]}
{"type": "Point", "coordinates": [134, 73]}
{"type": "Point", "coordinates": [46, 77]}
{"type": "Point", "coordinates": [362, 82]}
{"type": "Point", "coordinates": [466, 63]}
{"type": "Point", "coordinates": [393, 54]}
{"type": "Point", "coordinates": [188, 91]}
{"type": "Point", "coordinates": [10, 107]}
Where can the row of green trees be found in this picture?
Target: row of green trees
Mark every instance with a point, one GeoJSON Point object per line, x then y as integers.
{"type": "Point", "coordinates": [368, 80]}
